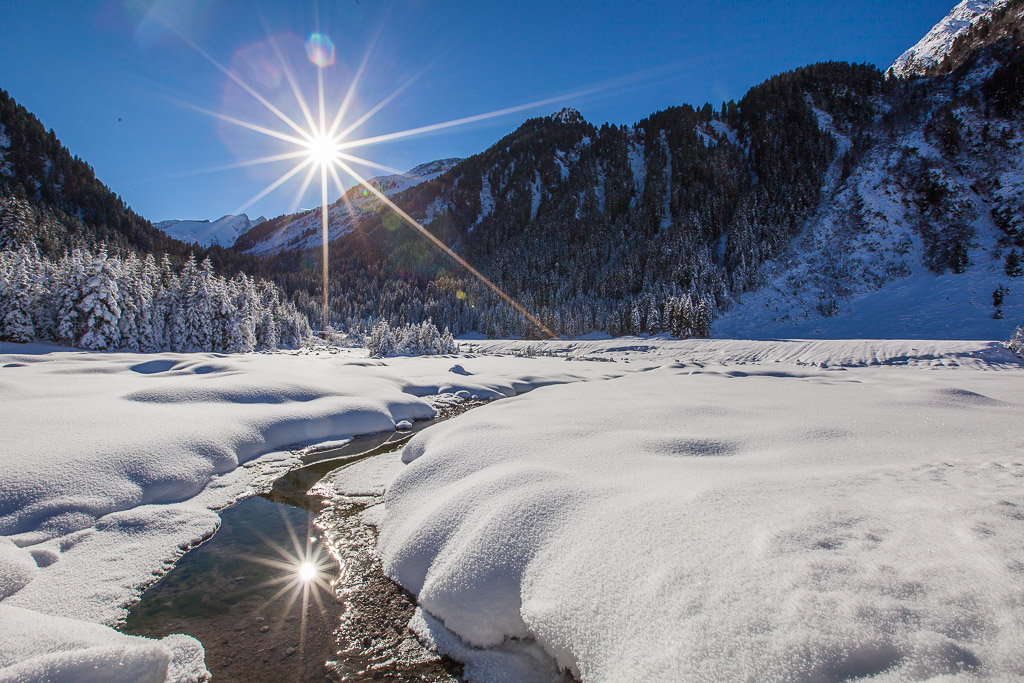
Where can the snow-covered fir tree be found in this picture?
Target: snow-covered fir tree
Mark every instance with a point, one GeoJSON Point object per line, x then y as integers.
{"type": "Point", "coordinates": [17, 294]}
{"type": "Point", "coordinates": [413, 339]}
{"type": "Point", "coordinates": [99, 307]}
{"type": "Point", "coordinates": [105, 301]}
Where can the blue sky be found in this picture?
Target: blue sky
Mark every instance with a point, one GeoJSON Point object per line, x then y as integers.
{"type": "Point", "coordinates": [114, 79]}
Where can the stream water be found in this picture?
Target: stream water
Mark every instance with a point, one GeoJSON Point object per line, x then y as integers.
{"type": "Point", "coordinates": [262, 616]}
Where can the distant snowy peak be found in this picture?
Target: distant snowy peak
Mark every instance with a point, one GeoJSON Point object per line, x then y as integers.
{"type": "Point", "coordinates": [301, 231]}
{"type": "Point", "coordinates": [223, 231]}
{"type": "Point", "coordinates": [930, 50]}
{"type": "Point", "coordinates": [434, 168]}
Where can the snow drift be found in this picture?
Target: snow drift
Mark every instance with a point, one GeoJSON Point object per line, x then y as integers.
{"type": "Point", "coordinates": [755, 522]}
{"type": "Point", "coordinates": [113, 465]}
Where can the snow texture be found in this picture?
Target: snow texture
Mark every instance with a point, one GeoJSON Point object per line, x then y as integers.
{"type": "Point", "coordinates": [743, 519]}
{"type": "Point", "coordinates": [44, 649]}
{"type": "Point", "coordinates": [930, 50]}
{"type": "Point", "coordinates": [114, 464]}
{"type": "Point", "coordinates": [223, 231]}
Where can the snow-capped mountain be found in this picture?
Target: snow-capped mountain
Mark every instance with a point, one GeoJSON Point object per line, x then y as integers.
{"type": "Point", "coordinates": [930, 50]}
{"type": "Point", "coordinates": [829, 201]}
{"type": "Point", "coordinates": [302, 230]}
{"type": "Point", "coordinates": [863, 266]}
{"type": "Point", "coordinates": [223, 231]}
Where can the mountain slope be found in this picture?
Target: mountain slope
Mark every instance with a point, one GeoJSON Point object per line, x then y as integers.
{"type": "Point", "coordinates": [822, 195]}
{"type": "Point", "coordinates": [929, 52]}
{"type": "Point", "coordinates": [868, 263]}
{"type": "Point", "coordinates": [302, 230]}
{"type": "Point", "coordinates": [60, 204]}
{"type": "Point", "coordinates": [223, 231]}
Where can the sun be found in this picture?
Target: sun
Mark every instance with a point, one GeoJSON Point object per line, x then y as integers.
{"type": "Point", "coordinates": [307, 572]}
{"type": "Point", "coordinates": [322, 147]}
{"type": "Point", "coordinates": [323, 151]}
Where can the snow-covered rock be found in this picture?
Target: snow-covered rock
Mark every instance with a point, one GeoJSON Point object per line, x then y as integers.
{"type": "Point", "coordinates": [223, 231]}
{"type": "Point", "coordinates": [930, 50]}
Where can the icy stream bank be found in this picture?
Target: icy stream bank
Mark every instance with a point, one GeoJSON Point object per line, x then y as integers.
{"type": "Point", "coordinates": [113, 464]}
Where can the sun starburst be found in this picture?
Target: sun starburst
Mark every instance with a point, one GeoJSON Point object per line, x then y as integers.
{"type": "Point", "coordinates": [303, 573]}
{"type": "Point", "coordinates": [322, 147]}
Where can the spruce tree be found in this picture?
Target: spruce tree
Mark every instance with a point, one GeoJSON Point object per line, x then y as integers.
{"type": "Point", "coordinates": [98, 306]}
{"type": "Point", "coordinates": [17, 292]}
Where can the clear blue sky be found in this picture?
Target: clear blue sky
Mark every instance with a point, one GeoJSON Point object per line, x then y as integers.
{"type": "Point", "coordinates": [110, 79]}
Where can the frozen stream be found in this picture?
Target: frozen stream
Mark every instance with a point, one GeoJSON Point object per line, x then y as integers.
{"type": "Point", "coordinates": [240, 592]}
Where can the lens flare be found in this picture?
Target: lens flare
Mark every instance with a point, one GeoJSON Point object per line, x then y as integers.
{"type": "Point", "coordinates": [322, 149]}
{"type": "Point", "coordinates": [307, 571]}
{"type": "Point", "coordinates": [320, 50]}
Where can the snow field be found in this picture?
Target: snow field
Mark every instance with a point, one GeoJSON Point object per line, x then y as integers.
{"type": "Point", "coordinates": [113, 464]}
{"type": "Point", "coordinates": [765, 522]}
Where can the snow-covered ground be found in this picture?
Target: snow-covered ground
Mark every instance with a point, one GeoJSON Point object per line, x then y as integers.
{"type": "Point", "coordinates": [738, 509]}
{"type": "Point", "coordinates": [716, 521]}
{"type": "Point", "coordinates": [113, 463]}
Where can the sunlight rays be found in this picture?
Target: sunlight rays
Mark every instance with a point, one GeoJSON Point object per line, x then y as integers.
{"type": "Point", "coordinates": [444, 247]}
{"type": "Point", "coordinates": [276, 184]}
{"type": "Point", "coordinates": [323, 144]}
{"type": "Point", "coordinates": [238, 80]}
{"type": "Point", "coordinates": [303, 574]}
{"type": "Point", "coordinates": [387, 137]}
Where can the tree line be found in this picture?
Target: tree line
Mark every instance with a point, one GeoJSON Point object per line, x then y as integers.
{"type": "Point", "coordinates": [96, 300]}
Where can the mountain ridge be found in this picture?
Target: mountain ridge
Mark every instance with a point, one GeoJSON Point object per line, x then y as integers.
{"type": "Point", "coordinates": [929, 52]}
{"type": "Point", "coordinates": [302, 230]}
{"type": "Point", "coordinates": [223, 231]}
{"type": "Point", "coordinates": [670, 224]}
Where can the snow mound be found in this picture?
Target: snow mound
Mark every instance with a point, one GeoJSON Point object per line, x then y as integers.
{"type": "Point", "coordinates": [368, 477]}
{"type": "Point", "coordinates": [930, 50]}
{"type": "Point", "coordinates": [707, 523]}
{"type": "Point", "coordinates": [113, 466]}
{"type": "Point", "coordinates": [51, 649]}
{"type": "Point", "coordinates": [17, 568]}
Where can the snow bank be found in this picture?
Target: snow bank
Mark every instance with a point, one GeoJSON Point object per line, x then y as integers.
{"type": "Point", "coordinates": [48, 649]}
{"type": "Point", "coordinates": [658, 350]}
{"type": "Point", "coordinates": [368, 477]}
{"type": "Point", "coordinates": [113, 464]}
{"type": "Point", "coordinates": [762, 522]}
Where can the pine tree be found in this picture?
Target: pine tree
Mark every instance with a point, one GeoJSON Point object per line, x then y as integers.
{"type": "Point", "coordinates": [147, 316]}
{"type": "Point", "coordinates": [99, 305]}
{"type": "Point", "coordinates": [382, 341]}
{"type": "Point", "coordinates": [128, 302]}
{"type": "Point", "coordinates": [17, 292]}
{"type": "Point", "coordinates": [44, 308]}
{"type": "Point", "coordinates": [1012, 265]}
{"type": "Point", "coordinates": [16, 224]}
{"type": "Point", "coordinates": [70, 290]}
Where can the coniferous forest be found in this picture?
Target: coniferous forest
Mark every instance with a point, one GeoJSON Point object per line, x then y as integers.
{"type": "Point", "coordinates": [655, 227]}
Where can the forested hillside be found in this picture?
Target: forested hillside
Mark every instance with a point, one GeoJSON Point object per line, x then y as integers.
{"type": "Point", "coordinates": [63, 205]}
{"type": "Point", "coordinates": [664, 225]}
{"type": "Point", "coordinates": [70, 272]}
